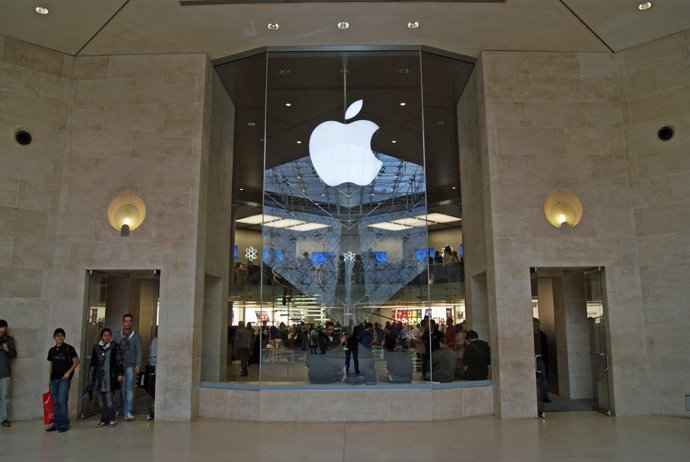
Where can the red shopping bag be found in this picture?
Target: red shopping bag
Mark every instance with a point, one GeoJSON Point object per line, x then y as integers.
{"type": "Point", "coordinates": [48, 408]}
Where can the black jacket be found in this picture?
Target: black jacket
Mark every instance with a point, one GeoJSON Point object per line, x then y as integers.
{"type": "Point", "coordinates": [96, 371]}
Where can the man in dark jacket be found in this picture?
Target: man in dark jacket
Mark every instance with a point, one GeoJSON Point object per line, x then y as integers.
{"type": "Point", "coordinates": [7, 352]}
{"type": "Point", "coordinates": [476, 359]}
{"type": "Point", "coordinates": [129, 342]}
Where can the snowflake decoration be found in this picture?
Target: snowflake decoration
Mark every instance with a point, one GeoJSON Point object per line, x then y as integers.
{"type": "Point", "coordinates": [250, 253]}
{"type": "Point", "coordinates": [349, 256]}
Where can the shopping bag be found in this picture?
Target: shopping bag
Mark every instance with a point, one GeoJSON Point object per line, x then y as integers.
{"type": "Point", "coordinates": [48, 408]}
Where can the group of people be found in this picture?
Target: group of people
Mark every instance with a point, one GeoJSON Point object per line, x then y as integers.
{"type": "Point", "coordinates": [115, 364]}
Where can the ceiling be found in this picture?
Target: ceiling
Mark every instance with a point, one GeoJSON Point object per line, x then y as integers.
{"type": "Point", "coordinates": [221, 29]}
{"type": "Point", "coordinates": [104, 27]}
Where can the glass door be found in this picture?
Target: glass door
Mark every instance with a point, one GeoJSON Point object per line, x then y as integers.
{"type": "Point", "coordinates": [598, 351]}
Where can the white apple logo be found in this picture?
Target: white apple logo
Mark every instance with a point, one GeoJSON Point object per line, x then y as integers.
{"type": "Point", "coordinates": [341, 153]}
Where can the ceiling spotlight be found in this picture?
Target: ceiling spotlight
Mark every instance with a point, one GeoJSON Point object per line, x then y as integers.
{"type": "Point", "coordinates": [241, 189]}
{"type": "Point", "coordinates": [273, 26]}
{"type": "Point", "coordinates": [403, 104]}
{"type": "Point", "coordinates": [394, 141]}
{"type": "Point", "coordinates": [342, 25]}
{"type": "Point", "coordinates": [251, 124]}
{"type": "Point", "coordinates": [454, 188]}
{"type": "Point", "coordinates": [288, 104]}
{"type": "Point", "coordinates": [412, 25]}
{"type": "Point", "coordinates": [644, 6]}
{"type": "Point", "coordinates": [299, 141]}
{"type": "Point", "coordinates": [42, 10]}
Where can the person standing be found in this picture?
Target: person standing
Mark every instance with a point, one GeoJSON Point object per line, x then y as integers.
{"type": "Point", "coordinates": [105, 373]}
{"type": "Point", "coordinates": [129, 342]}
{"type": "Point", "coordinates": [8, 351]}
{"type": "Point", "coordinates": [63, 361]}
{"type": "Point", "coordinates": [541, 353]}
{"type": "Point", "coordinates": [243, 342]}
{"type": "Point", "coordinates": [151, 371]}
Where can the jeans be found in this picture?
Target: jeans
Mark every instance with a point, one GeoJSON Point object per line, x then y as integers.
{"type": "Point", "coordinates": [59, 392]}
{"type": "Point", "coordinates": [4, 398]}
{"type": "Point", "coordinates": [355, 356]}
{"type": "Point", "coordinates": [128, 390]}
{"type": "Point", "coordinates": [105, 400]}
{"type": "Point", "coordinates": [541, 376]}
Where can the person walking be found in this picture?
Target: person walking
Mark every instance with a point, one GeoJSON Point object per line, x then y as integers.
{"type": "Point", "coordinates": [129, 342]}
{"type": "Point", "coordinates": [63, 361]}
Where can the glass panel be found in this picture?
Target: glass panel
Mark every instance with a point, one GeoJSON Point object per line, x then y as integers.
{"type": "Point", "coordinates": [94, 307]}
{"type": "Point", "coordinates": [344, 183]}
{"type": "Point", "coordinates": [597, 341]}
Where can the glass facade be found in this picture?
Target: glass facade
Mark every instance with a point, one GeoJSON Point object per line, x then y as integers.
{"type": "Point", "coordinates": [336, 272]}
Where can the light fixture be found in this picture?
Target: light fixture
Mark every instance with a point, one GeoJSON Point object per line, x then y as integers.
{"type": "Point", "coordinates": [42, 10]}
{"type": "Point", "coordinates": [284, 223]}
{"type": "Point", "coordinates": [307, 227]}
{"type": "Point", "coordinates": [438, 218]}
{"type": "Point", "coordinates": [288, 104]}
{"type": "Point", "coordinates": [403, 103]}
{"type": "Point", "coordinates": [299, 141]}
{"type": "Point", "coordinates": [563, 210]}
{"type": "Point", "coordinates": [257, 219]}
{"type": "Point", "coordinates": [126, 212]}
{"type": "Point", "coordinates": [389, 226]}
{"type": "Point", "coordinates": [412, 25]}
{"type": "Point", "coordinates": [251, 124]}
{"type": "Point", "coordinates": [644, 6]}
{"type": "Point", "coordinates": [343, 25]}
{"type": "Point", "coordinates": [453, 188]}
{"type": "Point", "coordinates": [410, 222]}
{"type": "Point", "coordinates": [273, 26]}
{"type": "Point", "coordinates": [284, 72]}
{"type": "Point", "coordinates": [241, 189]}
{"type": "Point", "coordinates": [394, 141]}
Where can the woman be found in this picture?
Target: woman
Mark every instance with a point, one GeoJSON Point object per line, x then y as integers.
{"type": "Point", "coordinates": [106, 373]}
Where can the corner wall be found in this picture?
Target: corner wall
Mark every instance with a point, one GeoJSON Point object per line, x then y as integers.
{"type": "Point", "coordinates": [655, 83]}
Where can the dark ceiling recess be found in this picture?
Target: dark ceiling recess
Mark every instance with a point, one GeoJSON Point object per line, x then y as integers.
{"type": "Point", "coordinates": [665, 133]}
{"type": "Point", "coordinates": [227, 2]}
{"type": "Point", "coordinates": [444, 79]}
{"type": "Point", "coordinates": [22, 137]}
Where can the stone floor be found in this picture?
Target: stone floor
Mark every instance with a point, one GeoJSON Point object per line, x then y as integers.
{"type": "Point", "coordinates": [563, 437]}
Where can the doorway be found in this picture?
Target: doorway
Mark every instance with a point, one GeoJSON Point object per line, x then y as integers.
{"type": "Point", "coordinates": [570, 304]}
{"type": "Point", "coordinates": [108, 296]}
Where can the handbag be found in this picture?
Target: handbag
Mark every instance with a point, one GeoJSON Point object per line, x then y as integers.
{"type": "Point", "coordinates": [48, 408]}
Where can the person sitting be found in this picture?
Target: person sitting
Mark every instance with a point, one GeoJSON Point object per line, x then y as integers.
{"type": "Point", "coordinates": [443, 363]}
{"type": "Point", "coordinates": [398, 367]}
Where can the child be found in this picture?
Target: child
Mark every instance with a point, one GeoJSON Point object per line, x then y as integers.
{"type": "Point", "coordinates": [106, 373]}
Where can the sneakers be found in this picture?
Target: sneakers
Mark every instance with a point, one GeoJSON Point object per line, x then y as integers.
{"type": "Point", "coordinates": [6, 423]}
{"type": "Point", "coordinates": [101, 424]}
{"type": "Point", "coordinates": [51, 429]}
{"type": "Point", "coordinates": [150, 416]}
{"type": "Point", "coordinates": [129, 417]}
{"type": "Point", "coordinates": [112, 423]}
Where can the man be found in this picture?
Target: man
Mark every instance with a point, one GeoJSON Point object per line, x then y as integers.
{"type": "Point", "coordinates": [63, 361]}
{"type": "Point", "coordinates": [7, 352]}
{"type": "Point", "coordinates": [243, 343]}
{"type": "Point", "coordinates": [476, 359]}
{"type": "Point", "coordinates": [541, 353]}
{"type": "Point", "coordinates": [443, 362]}
{"type": "Point", "coordinates": [328, 339]}
{"type": "Point", "coordinates": [129, 342]}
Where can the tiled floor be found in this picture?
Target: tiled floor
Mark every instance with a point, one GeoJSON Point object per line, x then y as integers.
{"type": "Point", "coordinates": [567, 437]}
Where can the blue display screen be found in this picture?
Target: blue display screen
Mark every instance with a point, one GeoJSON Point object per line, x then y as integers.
{"type": "Point", "coordinates": [319, 258]}
{"type": "Point", "coordinates": [381, 256]}
{"type": "Point", "coordinates": [277, 256]}
{"type": "Point", "coordinates": [235, 252]}
{"type": "Point", "coordinates": [422, 254]}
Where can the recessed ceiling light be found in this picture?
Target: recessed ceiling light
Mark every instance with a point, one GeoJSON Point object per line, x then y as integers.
{"type": "Point", "coordinates": [454, 188]}
{"type": "Point", "coordinates": [42, 10]}
{"type": "Point", "coordinates": [284, 72]}
{"type": "Point", "coordinates": [299, 177]}
{"type": "Point", "coordinates": [644, 6]}
{"type": "Point", "coordinates": [403, 71]}
{"type": "Point", "coordinates": [241, 189]}
{"type": "Point", "coordinates": [251, 124]}
{"type": "Point", "coordinates": [412, 25]}
{"type": "Point", "coordinates": [403, 104]}
{"type": "Point", "coordinates": [342, 25]}
{"type": "Point", "coordinates": [273, 26]}
{"type": "Point", "coordinates": [299, 141]}
{"type": "Point", "coordinates": [394, 141]}
{"type": "Point", "coordinates": [288, 104]}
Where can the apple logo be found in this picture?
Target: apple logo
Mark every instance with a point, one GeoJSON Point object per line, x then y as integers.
{"type": "Point", "coordinates": [341, 153]}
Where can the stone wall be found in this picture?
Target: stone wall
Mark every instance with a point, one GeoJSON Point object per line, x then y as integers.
{"type": "Point", "coordinates": [655, 83]}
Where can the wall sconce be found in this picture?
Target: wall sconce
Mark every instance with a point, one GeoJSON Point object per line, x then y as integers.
{"type": "Point", "coordinates": [563, 210]}
{"type": "Point", "coordinates": [126, 213]}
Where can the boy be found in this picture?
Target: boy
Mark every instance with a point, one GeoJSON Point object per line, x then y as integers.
{"type": "Point", "coordinates": [63, 361]}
